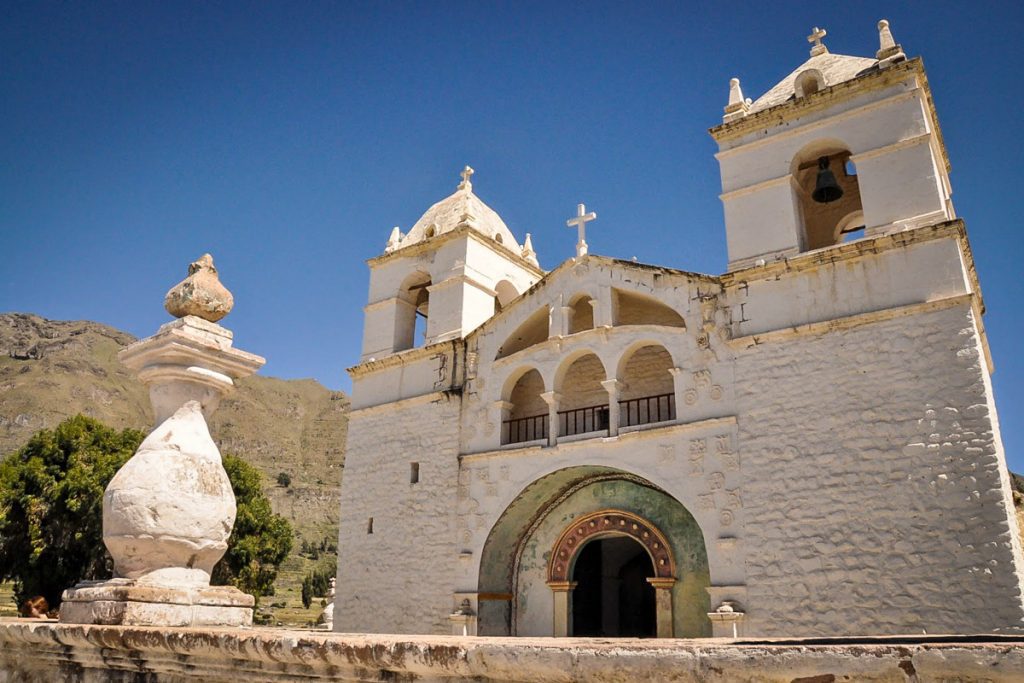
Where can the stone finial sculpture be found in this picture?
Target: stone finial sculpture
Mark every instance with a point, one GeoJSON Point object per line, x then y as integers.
{"type": "Point", "coordinates": [889, 50]}
{"type": "Point", "coordinates": [169, 510]}
{"type": "Point", "coordinates": [200, 294]}
{"type": "Point", "coordinates": [737, 106]}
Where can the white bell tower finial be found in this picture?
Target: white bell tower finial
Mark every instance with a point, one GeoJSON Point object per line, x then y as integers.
{"type": "Point", "coordinates": [818, 48]}
{"type": "Point", "coordinates": [888, 49]}
{"type": "Point", "coordinates": [737, 106]}
{"type": "Point", "coordinates": [466, 174]}
{"type": "Point", "coordinates": [580, 222]}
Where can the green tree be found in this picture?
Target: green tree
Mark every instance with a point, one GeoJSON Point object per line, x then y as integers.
{"type": "Point", "coordinates": [260, 540]}
{"type": "Point", "coordinates": [316, 584]}
{"type": "Point", "coordinates": [51, 513]}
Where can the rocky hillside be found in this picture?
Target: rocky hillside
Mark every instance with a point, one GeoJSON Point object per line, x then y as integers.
{"type": "Point", "coordinates": [50, 370]}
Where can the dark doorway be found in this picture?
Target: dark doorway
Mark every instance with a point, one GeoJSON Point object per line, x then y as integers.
{"type": "Point", "coordinates": [612, 597]}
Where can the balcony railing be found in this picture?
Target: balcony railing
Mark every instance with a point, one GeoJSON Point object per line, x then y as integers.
{"type": "Point", "coordinates": [632, 412]}
{"type": "Point", "coordinates": [582, 420]}
{"type": "Point", "coordinates": [525, 429]}
{"type": "Point", "coordinates": [642, 411]}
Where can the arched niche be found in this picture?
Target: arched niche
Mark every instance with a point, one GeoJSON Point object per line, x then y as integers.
{"type": "Point", "coordinates": [504, 294]}
{"type": "Point", "coordinates": [648, 388]}
{"type": "Point", "coordinates": [635, 308]}
{"type": "Point", "coordinates": [514, 563]}
{"type": "Point", "coordinates": [526, 417]}
{"type": "Point", "coordinates": [583, 400]}
{"type": "Point", "coordinates": [413, 311]}
{"type": "Point", "coordinates": [820, 221]}
{"type": "Point", "coordinates": [533, 330]}
{"type": "Point", "coordinates": [581, 313]}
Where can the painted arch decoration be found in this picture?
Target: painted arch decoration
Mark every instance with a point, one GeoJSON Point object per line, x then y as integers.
{"type": "Point", "coordinates": [606, 523]}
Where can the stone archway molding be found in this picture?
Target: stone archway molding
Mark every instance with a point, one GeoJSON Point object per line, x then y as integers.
{"type": "Point", "coordinates": [603, 524]}
{"type": "Point", "coordinates": [610, 523]}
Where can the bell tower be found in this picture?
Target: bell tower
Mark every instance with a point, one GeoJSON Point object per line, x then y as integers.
{"type": "Point", "coordinates": [456, 267]}
{"type": "Point", "coordinates": [843, 147]}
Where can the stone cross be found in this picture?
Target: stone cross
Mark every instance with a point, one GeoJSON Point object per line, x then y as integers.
{"type": "Point", "coordinates": [580, 221]}
{"type": "Point", "coordinates": [816, 35]}
{"type": "Point", "coordinates": [466, 175]}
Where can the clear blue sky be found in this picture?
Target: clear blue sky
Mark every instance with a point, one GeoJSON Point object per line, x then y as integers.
{"type": "Point", "coordinates": [288, 138]}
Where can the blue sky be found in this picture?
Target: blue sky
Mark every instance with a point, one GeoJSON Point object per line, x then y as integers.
{"type": "Point", "coordinates": [288, 138]}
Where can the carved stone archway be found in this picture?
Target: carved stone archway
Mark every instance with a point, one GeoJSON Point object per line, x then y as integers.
{"type": "Point", "coordinates": [605, 523]}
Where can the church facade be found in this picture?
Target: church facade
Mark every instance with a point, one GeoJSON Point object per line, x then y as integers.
{"type": "Point", "coordinates": [805, 445]}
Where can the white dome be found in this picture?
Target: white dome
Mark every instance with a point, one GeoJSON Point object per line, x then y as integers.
{"type": "Point", "coordinates": [461, 208]}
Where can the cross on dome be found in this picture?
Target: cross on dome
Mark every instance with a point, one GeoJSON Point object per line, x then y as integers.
{"type": "Point", "coordinates": [816, 35]}
{"type": "Point", "coordinates": [580, 222]}
{"type": "Point", "coordinates": [466, 174]}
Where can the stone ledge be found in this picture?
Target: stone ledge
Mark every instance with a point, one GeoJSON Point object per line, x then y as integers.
{"type": "Point", "coordinates": [50, 651]}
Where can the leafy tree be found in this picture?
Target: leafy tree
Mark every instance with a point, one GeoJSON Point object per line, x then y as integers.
{"type": "Point", "coordinates": [315, 584]}
{"type": "Point", "coordinates": [260, 540]}
{"type": "Point", "coordinates": [284, 479]}
{"type": "Point", "coordinates": [51, 513]}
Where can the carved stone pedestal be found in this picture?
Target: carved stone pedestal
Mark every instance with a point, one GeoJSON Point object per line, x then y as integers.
{"type": "Point", "coordinates": [124, 602]}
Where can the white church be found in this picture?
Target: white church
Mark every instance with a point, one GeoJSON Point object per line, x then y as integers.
{"type": "Point", "coordinates": [804, 445]}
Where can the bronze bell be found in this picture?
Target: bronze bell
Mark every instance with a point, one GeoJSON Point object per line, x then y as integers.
{"type": "Point", "coordinates": [826, 189]}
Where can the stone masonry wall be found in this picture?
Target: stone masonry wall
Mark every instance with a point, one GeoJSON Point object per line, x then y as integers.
{"type": "Point", "coordinates": [399, 578]}
{"type": "Point", "coordinates": [873, 483]}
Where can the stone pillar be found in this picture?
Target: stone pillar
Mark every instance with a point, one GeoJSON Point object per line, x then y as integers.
{"type": "Point", "coordinates": [169, 510]}
{"type": "Point", "coordinates": [663, 606]}
{"type": "Point", "coordinates": [561, 591]}
{"type": "Point", "coordinates": [552, 398]}
{"type": "Point", "coordinates": [603, 313]}
{"type": "Point", "coordinates": [613, 387]}
{"type": "Point", "coordinates": [565, 323]}
{"type": "Point", "coordinates": [678, 391]}
{"type": "Point", "coordinates": [327, 615]}
{"type": "Point", "coordinates": [502, 412]}
{"type": "Point", "coordinates": [463, 620]}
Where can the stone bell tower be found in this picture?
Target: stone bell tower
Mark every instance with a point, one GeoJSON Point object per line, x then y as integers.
{"type": "Point", "coordinates": [453, 270]}
{"type": "Point", "coordinates": [842, 147]}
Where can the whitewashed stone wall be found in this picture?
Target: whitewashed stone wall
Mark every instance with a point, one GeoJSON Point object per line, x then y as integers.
{"type": "Point", "coordinates": [399, 578]}
{"type": "Point", "coordinates": [872, 470]}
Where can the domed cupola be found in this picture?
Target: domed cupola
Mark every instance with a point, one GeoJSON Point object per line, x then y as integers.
{"type": "Point", "coordinates": [453, 270]}
{"type": "Point", "coordinates": [462, 209]}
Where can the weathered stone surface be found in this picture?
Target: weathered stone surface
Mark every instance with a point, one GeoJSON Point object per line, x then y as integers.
{"type": "Point", "coordinates": [33, 651]}
{"type": "Point", "coordinates": [136, 603]}
{"type": "Point", "coordinates": [200, 294]}
{"type": "Point", "coordinates": [168, 512]}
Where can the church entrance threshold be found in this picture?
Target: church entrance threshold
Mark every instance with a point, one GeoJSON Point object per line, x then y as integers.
{"type": "Point", "coordinates": [612, 597]}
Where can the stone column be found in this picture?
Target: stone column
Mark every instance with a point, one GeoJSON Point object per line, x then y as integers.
{"type": "Point", "coordinates": [169, 510]}
{"type": "Point", "coordinates": [561, 591]}
{"type": "Point", "coordinates": [663, 606]}
{"type": "Point", "coordinates": [613, 387]}
{"type": "Point", "coordinates": [503, 412]}
{"type": "Point", "coordinates": [552, 398]}
{"type": "Point", "coordinates": [678, 390]}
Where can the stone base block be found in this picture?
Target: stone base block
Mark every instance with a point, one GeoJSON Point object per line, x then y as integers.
{"type": "Point", "coordinates": [128, 603]}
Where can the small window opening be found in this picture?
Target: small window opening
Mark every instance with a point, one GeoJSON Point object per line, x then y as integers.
{"type": "Point", "coordinates": [430, 232]}
{"type": "Point", "coordinates": [497, 238]}
{"type": "Point", "coordinates": [850, 234]}
{"type": "Point", "coordinates": [414, 473]}
{"type": "Point", "coordinates": [851, 168]}
{"type": "Point", "coordinates": [420, 334]}
{"type": "Point", "coordinates": [369, 525]}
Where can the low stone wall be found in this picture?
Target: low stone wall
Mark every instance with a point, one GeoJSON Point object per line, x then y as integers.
{"type": "Point", "coordinates": [33, 651]}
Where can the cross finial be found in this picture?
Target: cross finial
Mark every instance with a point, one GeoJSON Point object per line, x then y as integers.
{"type": "Point", "coordinates": [466, 174]}
{"type": "Point", "coordinates": [580, 222]}
{"type": "Point", "coordinates": [816, 35]}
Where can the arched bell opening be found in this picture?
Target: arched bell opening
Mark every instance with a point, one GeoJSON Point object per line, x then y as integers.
{"type": "Point", "coordinates": [413, 312]}
{"type": "Point", "coordinates": [827, 192]}
{"type": "Point", "coordinates": [581, 313]}
{"type": "Point", "coordinates": [517, 593]}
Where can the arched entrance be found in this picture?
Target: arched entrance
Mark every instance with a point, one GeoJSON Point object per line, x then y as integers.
{"type": "Point", "coordinates": [612, 598]}
{"type": "Point", "coordinates": [516, 596]}
{"type": "Point", "coordinates": [612, 574]}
